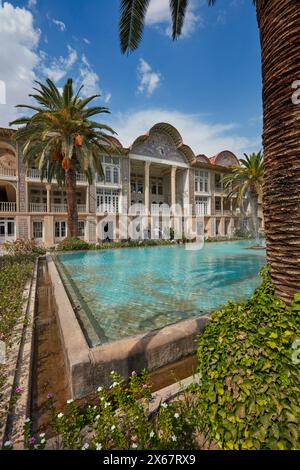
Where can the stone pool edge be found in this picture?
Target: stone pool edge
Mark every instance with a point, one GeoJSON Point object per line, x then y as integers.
{"type": "Point", "coordinates": [87, 368]}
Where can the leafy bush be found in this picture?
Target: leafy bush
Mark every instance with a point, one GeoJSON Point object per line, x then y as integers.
{"type": "Point", "coordinates": [250, 384]}
{"type": "Point", "coordinates": [120, 420]}
{"type": "Point", "coordinates": [225, 238]}
{"type": "Point", "coordinates": [23, 247]}
{"type": "Point", "coordinates": [73, 244]}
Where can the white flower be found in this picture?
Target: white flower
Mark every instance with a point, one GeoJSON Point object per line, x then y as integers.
{"type": "Point", "coordinates": [176, 415]}
{"type": "Point", "coordinates": [7, 444]}
{"type": "Point", "coordinates": [69, 402]}
{"type": "Point", "coordinates": [152, 434]}
{"type": "Point", "coordinates": [113, 427]}
{"type": "Point", "coordinates": [106, 405]}
{"type": "Point", "coordinates": [97, 417]}
{"type": "Point", "coordinates": [102, 398]}
{"type": "Point", "coordinates": [114, 385]}
{"type": "Point", "coordinates": [98, 446]}
{"type": "Point", "coordinates": [85, 446]}
{"type": "Point", "coordinates": [174, 438]}
{"type": "Point", "coordinates": [42, 435]}
{"type": "Point", "coordinates": [43, 441]}
{"type": "Point", "coordinates": [112, 372]}
{"type": "Point", "coordinates": [99, 389]}
{"type": "Point", "coordinates": [27, 420]}
{"type": "Point", "coordinates": [164, 405]}
{"type": "Point", "coordinates": [95, 407]}
{"type": "Point", "coordinates": [134, 446]}
{"type": "Point", "coordinates": [60, 415]}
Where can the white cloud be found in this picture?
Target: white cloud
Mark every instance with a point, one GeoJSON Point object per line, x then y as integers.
{"type": "Point", "coordinates": [91, 81]}
{"type": "Point", "coordinates": [222, 17]}
{"type": "Point", "coordinates": [159, 14]}
{"type": "Point", "coordinates": [87, 41]}
{"type": "Point", "coordinates": [18, 57]}
{"type": "Point", "coordinates": [60, 24]}
{"type": "Point", "coordinates": [148, 80]}
{"type": "Point", "coordinates": [106, 97]}
{"type": "Point", "coordinates": [21, 62]}
{"type": "Point", "coordinates": [31, 3]}
{"type": "Point", "coordinates": [59, 67]}
{"type": "Point", "coordinates": [201, 136]}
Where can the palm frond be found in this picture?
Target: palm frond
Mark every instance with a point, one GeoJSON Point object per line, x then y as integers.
{"type": "Point", "coordinates": [178, 11]}
{"type": "Point", "coordinates": [133, 13]}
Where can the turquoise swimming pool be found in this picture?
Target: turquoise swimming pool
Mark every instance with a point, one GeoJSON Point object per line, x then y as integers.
{"type": "Point", "coordinates": [134, 290]}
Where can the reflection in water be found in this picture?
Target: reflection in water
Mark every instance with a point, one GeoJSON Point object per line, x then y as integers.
{"type": "Point", "coordinates": [130, 291]}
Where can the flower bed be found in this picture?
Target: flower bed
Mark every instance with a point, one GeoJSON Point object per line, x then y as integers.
{"type": "Point", "coordinates": [15, 274]}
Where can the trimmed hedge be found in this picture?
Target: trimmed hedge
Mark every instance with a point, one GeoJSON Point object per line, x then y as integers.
{"type": "Point", "coordinates": [76, 244]}
{"type": "Point", "coordinates": [73, 244]}
{"type": "Point", "coordinates": [250, 384]}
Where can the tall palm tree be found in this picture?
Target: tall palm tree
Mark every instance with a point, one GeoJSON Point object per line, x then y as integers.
{"type": "Point", "coordinates": [279, 27]}
{"type": "Point", "coordinates": [245, 181]}
{"type": "Point", "coordinates": [60, 139]}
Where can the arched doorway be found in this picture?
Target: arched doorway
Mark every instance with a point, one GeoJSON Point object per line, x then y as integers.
{"type": "Point", "coordinates": [8, 197]}
{"type": "Point", "coordinates": [8, 206]}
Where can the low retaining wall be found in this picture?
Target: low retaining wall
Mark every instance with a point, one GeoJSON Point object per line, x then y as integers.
{"type": "Point", "coordinates": [88, 368]}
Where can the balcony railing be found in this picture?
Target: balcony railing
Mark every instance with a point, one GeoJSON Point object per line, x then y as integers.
{"type": "Point", "coordinates": [81, 178]}
{"type": "Point", "coordinates": [81, 208]}
{"type": "Point", "coordinates": [201, 209]}
{"type": "Point", "coordinates": [109, 208]}
{"type": "Point", "coordinates": [37, 207]}
{"type": "Point", "coordinates": [35, 174]}
{"type": "Point", "coordinates": [60, 208]}
{"type": "Point", "coordinates": [10, 172]}
{"type": "Point", "coordinates": [8, 206]}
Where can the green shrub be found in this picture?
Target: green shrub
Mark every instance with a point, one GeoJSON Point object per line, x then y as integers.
{"type": "Point", "coordinates": [23, 247]}
{"type": "Point", "coordinates": [73, 244]}
{"type": "Point", "coordinates": [226, 238]}
{"type": "Point", "coordinates": [250, 384]}
{"type": "Point", "coordinates": [120, 420]}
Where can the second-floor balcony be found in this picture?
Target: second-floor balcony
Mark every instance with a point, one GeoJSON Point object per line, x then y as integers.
{"type": "Point", "coordinates": [201, 209]}
{"type": "Point", "coordinates": [8, 172]}
{"type": "Point", "coordinates": [56, 208]}
{"type": "Point", "coordinates": [8, 207]}
{"type": "Point", "coordinates": [107, 208]}
{"type": "Point", "coordinates": [37, 207]}
{"type": "Point", "coordinates": [34, 174]}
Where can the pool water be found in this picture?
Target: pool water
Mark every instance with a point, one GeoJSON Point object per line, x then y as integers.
{"type": "Point", "coordinates": [134, 290]}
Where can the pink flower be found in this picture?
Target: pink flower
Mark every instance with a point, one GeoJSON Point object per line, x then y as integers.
{"type": "Point", "coordinates": [19, 390]}
{"type": "Point", "coordinates": [50, 395]}
{"type": "Point", "coordinates": [145, 386]}
{"type": "Point", "coordinates": [32, 441]}
{"type": "Point", "coordinates": [133, 373]}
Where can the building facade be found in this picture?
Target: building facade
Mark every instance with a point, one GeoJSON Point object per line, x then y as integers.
{"type": "Point", "coordinates": [157, 170]}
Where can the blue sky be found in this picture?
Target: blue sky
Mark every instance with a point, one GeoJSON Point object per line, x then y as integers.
{"type": "Point", "coordinates": [207, 84]}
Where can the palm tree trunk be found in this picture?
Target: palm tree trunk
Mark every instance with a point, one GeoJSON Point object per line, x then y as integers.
{"type": "Point", "coordinates": [279, 24]}
{"type": "Point", "coordinates": [253, 197]}
{"type": "Point", "coordinates": [71, 201]}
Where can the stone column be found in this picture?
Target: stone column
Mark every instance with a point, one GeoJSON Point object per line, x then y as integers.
{"type": "Point", "coordinates": [87, 199]}
{"type": "Point", "coordinates": [147, 185]}
{"type": "Point", "coordinates": [48, 187]}
{"type": "Point", "coordinates": [173, 185]}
